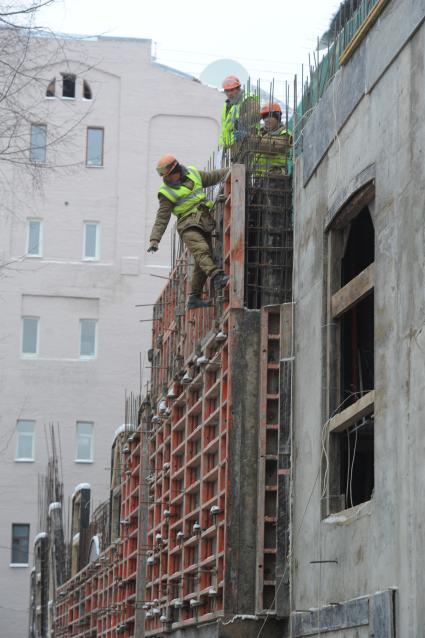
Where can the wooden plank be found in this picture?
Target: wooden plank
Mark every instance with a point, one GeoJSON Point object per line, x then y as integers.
{"type": "Point", "coordinates": [353, 292]}
{"type": "Point", "coordinates": [352, 414]}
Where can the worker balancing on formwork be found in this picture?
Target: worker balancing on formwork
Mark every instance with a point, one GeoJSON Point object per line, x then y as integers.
{"type": "Point", "coordinates": [182, 194]}
{"type": "Point", "coordinates": [275, 142]}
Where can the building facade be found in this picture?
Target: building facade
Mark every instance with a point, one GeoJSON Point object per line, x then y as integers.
{"type": "Point", "coordinates": [74, 267]}
{"type": "Point", "coordinates": [357, 537]}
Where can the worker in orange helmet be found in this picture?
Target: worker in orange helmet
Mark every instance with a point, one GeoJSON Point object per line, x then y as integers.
{"type": "Point", "coordinates": [276, 141]}
{"type": "Point", "coordinates": [238, 108]}
{"type": "Point", "coordinates": [182, 194]}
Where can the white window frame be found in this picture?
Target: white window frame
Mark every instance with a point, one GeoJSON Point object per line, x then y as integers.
{"type": "Point", "coordinates": [25, 459]}
{"type": "Point", "coordinates": [11, 564]}
{"type": "Point", "coordinates": [97, 252]}
{"type": "Point", "coordinates": [30, 220]}
{"type": "Point", "coordinates": [78, 437]}
{"type": "Point", "coordinates": [37, 148]}
{"type": "Point", "coordinates": [94, 355]}
{"type": "Point", "coordinates": [30, 355]}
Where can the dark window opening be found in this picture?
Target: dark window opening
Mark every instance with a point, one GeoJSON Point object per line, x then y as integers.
{"type": "Point", "coordinates": [357, 351]}
{"type": "Point", "coordinates": [357, 462]}
{"type": "Point", "coordinates": [68, 85]}
{"type": "Point", "coordinates": [352, 346]}
{"type": "Point", "coordinates": [87, 94]}
{"type": "Point", "coordinates": [360, 247]}
{"type": "Point", "coordinates": [51, 89]}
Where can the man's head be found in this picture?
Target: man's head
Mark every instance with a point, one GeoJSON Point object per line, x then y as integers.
{"type": "Point", "coordinates": [232, 88]}
{"type": "Point", "coordinates": [271, 114]}
{"type": "Point", "coordinates": [169, 169]}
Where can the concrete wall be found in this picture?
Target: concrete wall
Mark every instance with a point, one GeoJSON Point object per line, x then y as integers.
{"type": "Point", "coordinates": [146, 111]}
{"type": "Point", "coordinates": [370, 121]}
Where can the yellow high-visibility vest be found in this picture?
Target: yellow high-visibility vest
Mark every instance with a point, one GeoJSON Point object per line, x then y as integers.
{"type": "Point", "coordinates": [184, 199]}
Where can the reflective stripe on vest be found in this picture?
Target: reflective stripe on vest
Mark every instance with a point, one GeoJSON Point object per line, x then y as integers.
{"type": "Point", "coordinates": [184, 199]}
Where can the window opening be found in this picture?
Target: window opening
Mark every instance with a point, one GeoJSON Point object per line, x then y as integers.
{"type": "Point", "coordinates": [88, 338]}
{"type": "Point", "coordinates": [29, 335]}
{"type": "Point", "coordinates": [20, 543]}
{"type": "Point", "coordinates": [68, 85]}
{"type": "Point", "coordinates": [91, 241]}
{"type": "Point", "coordinates": [357, 351]}
{"type": "Point", "coordinates": [51, 88]}
{"type": "Point", "coordinates": [84, 447]}
{"type": "Point", "coordinates": [38, 143]}
{"type": "Point", "coordinates": [34, 238]}
{"type": "Point", "coordinates": [94, 151]}
{"type": "Point", "coordinates": [357, 329]}
{"type": "Point", "coordinates": [351, 424]}
{"type": "Point", "coordinates": [87, 92]}
{"type": "Point", "coordinates": [357, 462]}
{"type": "Point", "coordinates": [25, 440]}
{"type": "Point", "coordinates": [360, 247]}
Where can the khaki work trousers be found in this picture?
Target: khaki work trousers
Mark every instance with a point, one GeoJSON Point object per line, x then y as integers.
{"type": "Point", "coordinates": [199, 245]}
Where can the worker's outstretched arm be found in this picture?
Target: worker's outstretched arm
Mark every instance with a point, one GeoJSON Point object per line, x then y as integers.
{"type": "Point", "coordinates": [161, 222]}
{"type": "Point", "coordinates": [209, 178]}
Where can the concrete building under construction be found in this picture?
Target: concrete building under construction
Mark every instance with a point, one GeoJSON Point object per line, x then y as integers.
{"type": "Point", "coordinates": [269, 481]}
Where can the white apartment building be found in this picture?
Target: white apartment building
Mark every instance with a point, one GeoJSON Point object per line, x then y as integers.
{"type": "Point", "coordinates": [74, 266]}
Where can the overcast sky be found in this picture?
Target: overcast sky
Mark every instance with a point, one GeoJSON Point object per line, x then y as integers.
{"type": "Point", "coordinates": [270, 39]}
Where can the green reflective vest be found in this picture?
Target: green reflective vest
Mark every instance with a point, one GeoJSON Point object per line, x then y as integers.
{"type": "Point", "coordinates": [186, 200]}
{"type": "Point", "coordinates": [229, 118]}
{"type": "Point", "coordinates": [278, 158]}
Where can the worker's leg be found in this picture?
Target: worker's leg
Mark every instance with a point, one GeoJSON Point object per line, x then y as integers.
{"type": "Point", "coordinates": [199, 245]}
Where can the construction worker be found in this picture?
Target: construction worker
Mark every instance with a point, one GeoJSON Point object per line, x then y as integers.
{"type": "Point", "coordinates": [182, 194]}
{"type": "Point", "coordinates": [275, 142]}
{"type": "Point", "coordinates": [236, 107]}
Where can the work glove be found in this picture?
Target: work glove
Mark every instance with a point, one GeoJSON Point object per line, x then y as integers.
{"type": "Point", "coordinates": [153, 247]}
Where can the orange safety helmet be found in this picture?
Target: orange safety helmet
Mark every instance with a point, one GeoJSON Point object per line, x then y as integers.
{"type": "Point", "coordinates": [231, 82]}
{"type": "Point", "coordinates": [270, 107]}
{"type": "Point", "coordinates": [166, 164]}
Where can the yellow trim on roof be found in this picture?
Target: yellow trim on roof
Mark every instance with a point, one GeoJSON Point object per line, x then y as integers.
{"type": "Point", "coordinates": [362, 32]}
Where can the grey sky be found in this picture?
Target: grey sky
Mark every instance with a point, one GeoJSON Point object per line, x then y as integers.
{"type": "Point", "coordinates": [271, 39]}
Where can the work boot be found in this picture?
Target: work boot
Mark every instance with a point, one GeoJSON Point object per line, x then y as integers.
{"type": "Point", "coordinates": [194, 301]}
{"type": "Point", "coordinates": [220, 280]}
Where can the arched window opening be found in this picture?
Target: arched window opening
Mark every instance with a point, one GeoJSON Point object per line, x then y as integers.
{"type": "Point", "coordinates": [351, 353]}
